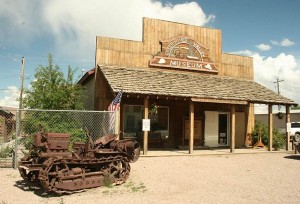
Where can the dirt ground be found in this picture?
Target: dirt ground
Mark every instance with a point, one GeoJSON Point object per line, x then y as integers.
{"type": "Point", "coordinates": [234, 178]}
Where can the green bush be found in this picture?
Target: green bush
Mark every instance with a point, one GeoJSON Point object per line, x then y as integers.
{"type": "Point", "coordinates": [259, 125]}
{"type": "Point", "coordinates": [278, 138]}
{"type": "Point", "coordinates": [6, 152]}
{"type": "Point", "coordinates": [58, 122]}
{"type": "Point", "coordinates": [28, 142]}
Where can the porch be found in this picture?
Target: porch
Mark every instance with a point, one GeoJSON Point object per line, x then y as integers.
{"type": "Point", "coordinates": [211, 151]}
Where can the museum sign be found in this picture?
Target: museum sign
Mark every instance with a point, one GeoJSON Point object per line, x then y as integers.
{"type": "Point", "coordinates": [183, 53]}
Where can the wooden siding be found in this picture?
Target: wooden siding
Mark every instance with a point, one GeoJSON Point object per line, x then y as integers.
{"type": "Point", "coordinates": [156, 30]}
{"type": "Point", "coordinates": [236, 66]}
{"type": "Point", "coordinates": [89, 96]}
{"type": "Point", "coordinates": [129, 53]}
{"type": "Point", "coordinates": [240, 130]}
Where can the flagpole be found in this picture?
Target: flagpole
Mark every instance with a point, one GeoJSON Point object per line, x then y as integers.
{"type": "Point", "coordinates": [117, 127]}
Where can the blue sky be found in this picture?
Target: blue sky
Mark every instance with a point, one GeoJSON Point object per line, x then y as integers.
{"type": "Point", "coordinates": [267, 30]}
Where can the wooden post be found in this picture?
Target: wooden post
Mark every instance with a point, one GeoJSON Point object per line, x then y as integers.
{"type": "Point", "coordinates": [232, 129]}
{"type": "Point", "coordinates": [270, 125]}
{"type": "Point", "coordinates": [191, 140]}
{"type": "Point", "coordinates": [246, 136]}
{"type": "Point", "coordinates": [146, 112]}
{"type": "Point", "coordinates": [288, 120]}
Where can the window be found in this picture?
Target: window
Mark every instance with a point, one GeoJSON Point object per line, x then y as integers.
{"type": "Point", "coordinates": [134, 114]}
{"type": "Point", "coordinates": [295, 125]}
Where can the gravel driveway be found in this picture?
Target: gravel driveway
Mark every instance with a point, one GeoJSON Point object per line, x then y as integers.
{"type": "Point", "coordinates": [234, 178]}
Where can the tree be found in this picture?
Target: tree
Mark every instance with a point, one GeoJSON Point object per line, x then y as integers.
{"type": "Point", "coordinates": [295, 107]}
{"type": "Point", "coordinates": [50, 90]}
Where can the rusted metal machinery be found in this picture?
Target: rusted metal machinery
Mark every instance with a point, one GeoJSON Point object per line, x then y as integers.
{"type": "Point", "coordinates": [50, 165]}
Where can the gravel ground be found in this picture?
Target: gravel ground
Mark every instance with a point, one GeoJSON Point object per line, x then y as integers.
{"type": "Point", "coordinates": [234, 178]}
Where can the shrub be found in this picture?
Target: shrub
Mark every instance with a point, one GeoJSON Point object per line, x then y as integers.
{"type": "Point", "coordinates": [6, 152]}
{"type": "Point", "coordinates": [278, 138]}
{"type": "Point", "coordinates": [259, 125]}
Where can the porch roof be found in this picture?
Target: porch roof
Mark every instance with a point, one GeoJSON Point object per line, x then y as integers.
{"type": "Point", "coordinates": [198, 87]}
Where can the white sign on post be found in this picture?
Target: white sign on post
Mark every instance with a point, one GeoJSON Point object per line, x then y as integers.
{"type": "Point", "coordinates": [146, 124]}
{"type": "Point", "coordinates": [288, 127]}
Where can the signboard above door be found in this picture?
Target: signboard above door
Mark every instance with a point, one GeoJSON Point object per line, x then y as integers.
{"type": "Point", "coordinates": [183, 53]}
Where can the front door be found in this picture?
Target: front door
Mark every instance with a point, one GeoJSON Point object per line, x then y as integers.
{"type": "Point", "coordinates": [211, 128]}
{"type": "Point", "coordinates": [223, 129]}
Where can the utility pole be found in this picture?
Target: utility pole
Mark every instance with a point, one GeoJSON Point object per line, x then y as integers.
{"type": "Point", "coordinates": [277, 82]}
{"type": "Point", "coordinates": [22, 84]}
{"type": "Point", "coordinates": [18, 122]}
{"type": "Point", "coordinates": [278, 91]}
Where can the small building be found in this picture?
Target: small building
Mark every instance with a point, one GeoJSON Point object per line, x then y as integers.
{"type": "Point", "coordinates": [178, 77]}
{"type": "Point", "coordinates": [7, 124]}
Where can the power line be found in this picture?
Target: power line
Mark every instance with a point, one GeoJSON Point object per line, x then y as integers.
{"type": "Point", "coordinates": [8, 76]}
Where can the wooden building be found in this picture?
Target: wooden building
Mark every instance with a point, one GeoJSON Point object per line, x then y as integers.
{"type": "Point", "coordinates": [178, 77]}
{"type": "Point", "coordinates": [7, 125]}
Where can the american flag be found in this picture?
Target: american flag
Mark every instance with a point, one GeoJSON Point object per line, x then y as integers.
{"type": "Point", "coordinates": [112, 107]}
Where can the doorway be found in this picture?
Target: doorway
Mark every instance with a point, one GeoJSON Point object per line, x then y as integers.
{"type": "Point", "coordinates": [223, 129]}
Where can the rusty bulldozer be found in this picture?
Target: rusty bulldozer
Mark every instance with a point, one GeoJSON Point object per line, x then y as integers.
{"type": "Point", "coordinates": [50, 165]}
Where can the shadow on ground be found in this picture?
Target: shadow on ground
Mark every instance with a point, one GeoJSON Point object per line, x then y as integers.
{"type": "Point", "coordinates": [26, 186]}
{"type": "Point", "coordinates": [295, 157]}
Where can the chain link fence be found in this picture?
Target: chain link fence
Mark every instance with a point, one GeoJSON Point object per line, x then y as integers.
{"type": "Point", "coordinates": [76, 123]}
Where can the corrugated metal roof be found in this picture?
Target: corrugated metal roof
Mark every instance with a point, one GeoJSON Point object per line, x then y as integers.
{"type": "Point", "coordinates": [150, 81]}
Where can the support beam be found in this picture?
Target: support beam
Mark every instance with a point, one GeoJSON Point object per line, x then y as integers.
{"type": "Point", "coordinates": [232, 129]}
{"type": "Point", "coordinates": [246, 136]}
{"type": "Point", "coordinates": [270, 126]}
{"type": "Point", "coordinates": [146, 112]}
{"type": "Point", "coordinates": [288, 120]}
{"type": "Point", "coordinates": [191, 140]}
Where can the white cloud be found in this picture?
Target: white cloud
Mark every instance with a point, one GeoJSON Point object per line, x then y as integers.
{"type": "Point", "coordinates": [284, 43]}
{"type": "Point", "coordinates": [274, 42]}
{"type": "Point", "coordinates": [10, 98]}
{"type": "Point", "coordinates": [263, 47]}
{"type": "Point", "coordinates": [74, 25]}
{"type": "Point", "coordinates": [284, 67]}
{"type": "Point", "coordinates": [268, 69]}
{"type": "Point", "coordinates": [244, 52]}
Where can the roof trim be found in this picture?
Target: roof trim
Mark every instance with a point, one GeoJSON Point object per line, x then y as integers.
{"type": "Point", "coordinates": [86, 76]}
{"type": "Point", "coordinates": [212, 100]}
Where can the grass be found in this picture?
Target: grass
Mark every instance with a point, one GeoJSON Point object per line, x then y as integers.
{"type": "Point", "coordinates": [107, 182]}
{"type": "Point", "coordinates": [128, 187]}
{"type": "Point", "coordinates": [136, 188]}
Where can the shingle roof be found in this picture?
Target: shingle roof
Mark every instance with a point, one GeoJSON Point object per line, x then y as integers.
{"type": "Point", "coordinates": [150, 81]}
